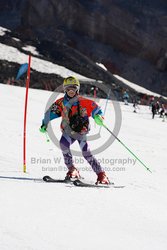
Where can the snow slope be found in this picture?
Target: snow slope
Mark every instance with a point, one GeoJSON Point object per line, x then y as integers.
{"type": "Point", "coordinates": [138, 87]}
{"type": "Point", "coordinates": [40, 216]}
{"type": "Point", "coordinates": [12, 54]}
{"type": "Point", "coordinates": [132, 85]}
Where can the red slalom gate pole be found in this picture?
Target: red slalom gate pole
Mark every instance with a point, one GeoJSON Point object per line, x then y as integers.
{"type": "Point", "coordinates": [25, 115]}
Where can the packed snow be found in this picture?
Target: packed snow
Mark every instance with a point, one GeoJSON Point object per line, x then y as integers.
{"type": "Point", "coordinates": [3, 31]}
{"type": "Point", "coordinates": [138, 88]}
{"type": "Point", "coordinates": [102, 66]}
{"type": "Point", "coordinates": [40, 216]}
{"type": "Point", "coordinates": [16, 39]}
{"type": "Point", "coordinates": [133, 85]}
{"type": "Point", "coordinates": [31, 49]}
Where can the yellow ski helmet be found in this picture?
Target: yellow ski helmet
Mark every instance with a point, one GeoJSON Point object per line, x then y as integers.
{"type": "Point", "coordinates": [71, 81]}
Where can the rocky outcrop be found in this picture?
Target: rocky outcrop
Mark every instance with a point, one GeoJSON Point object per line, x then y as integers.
{"type": "Point", "coordinates": [128, 37]}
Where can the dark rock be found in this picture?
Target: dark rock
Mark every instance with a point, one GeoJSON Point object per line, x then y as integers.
{"type": "Point", "coordinates": [129, 37]}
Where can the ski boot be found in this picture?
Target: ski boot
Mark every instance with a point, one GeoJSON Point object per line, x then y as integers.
{"type": "Point", "coordinates": [72, 174]}
{"type": "Point", "coordinates": [102, 179]}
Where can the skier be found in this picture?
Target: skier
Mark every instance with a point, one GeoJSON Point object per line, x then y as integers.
{"type": "Point", "coordinates": [162, 110]}
{"type": "Point", "coordinates": [157, 107]}
{"type": "Point", "coordinates": [153, 110]}
{"type": "Point", "coordinates": [135, 105]}
{"type": "Point", "coordinates": [75, 112]}
{"type": "Point", "coordinates": [125, 97]}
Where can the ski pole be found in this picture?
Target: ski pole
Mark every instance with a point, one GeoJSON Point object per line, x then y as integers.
{"type": "Point", "coordinates": [126, 147]}
{"type": "Point", "coordinates": [43, 130]}
{"type": "Point", "coordinates": [47, 137]}
{"type": "Point", "coordinates": [107, 99]}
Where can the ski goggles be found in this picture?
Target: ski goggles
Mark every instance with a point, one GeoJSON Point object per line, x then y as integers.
{"type": "Point", "coordinates": [71, 87]}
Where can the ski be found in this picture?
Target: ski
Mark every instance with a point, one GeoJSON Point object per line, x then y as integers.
{"type": "Point", "coordinates": [50, 179]}
{"type": "Point", "coordinates": [80, 183]}
{"type": "Point", "coordinates": [47, 178]}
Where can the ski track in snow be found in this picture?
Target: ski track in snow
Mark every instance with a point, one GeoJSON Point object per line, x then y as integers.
{"type": "Point", "coordinates": [40, 216]}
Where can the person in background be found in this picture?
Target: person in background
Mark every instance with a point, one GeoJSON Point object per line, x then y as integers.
{"type": "Point", "coordinates": [125, 97]}
{"type": "Point", "coordinates": [153, 110]}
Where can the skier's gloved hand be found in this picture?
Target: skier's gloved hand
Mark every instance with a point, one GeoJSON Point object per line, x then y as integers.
{"type": "Point", "coordinates": [99, 120]}
{"type": "Point", "coordinates": [43, 129]}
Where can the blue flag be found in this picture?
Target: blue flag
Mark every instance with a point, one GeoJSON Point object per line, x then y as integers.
{"type": "Point", "coordinates": [22, 70]}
